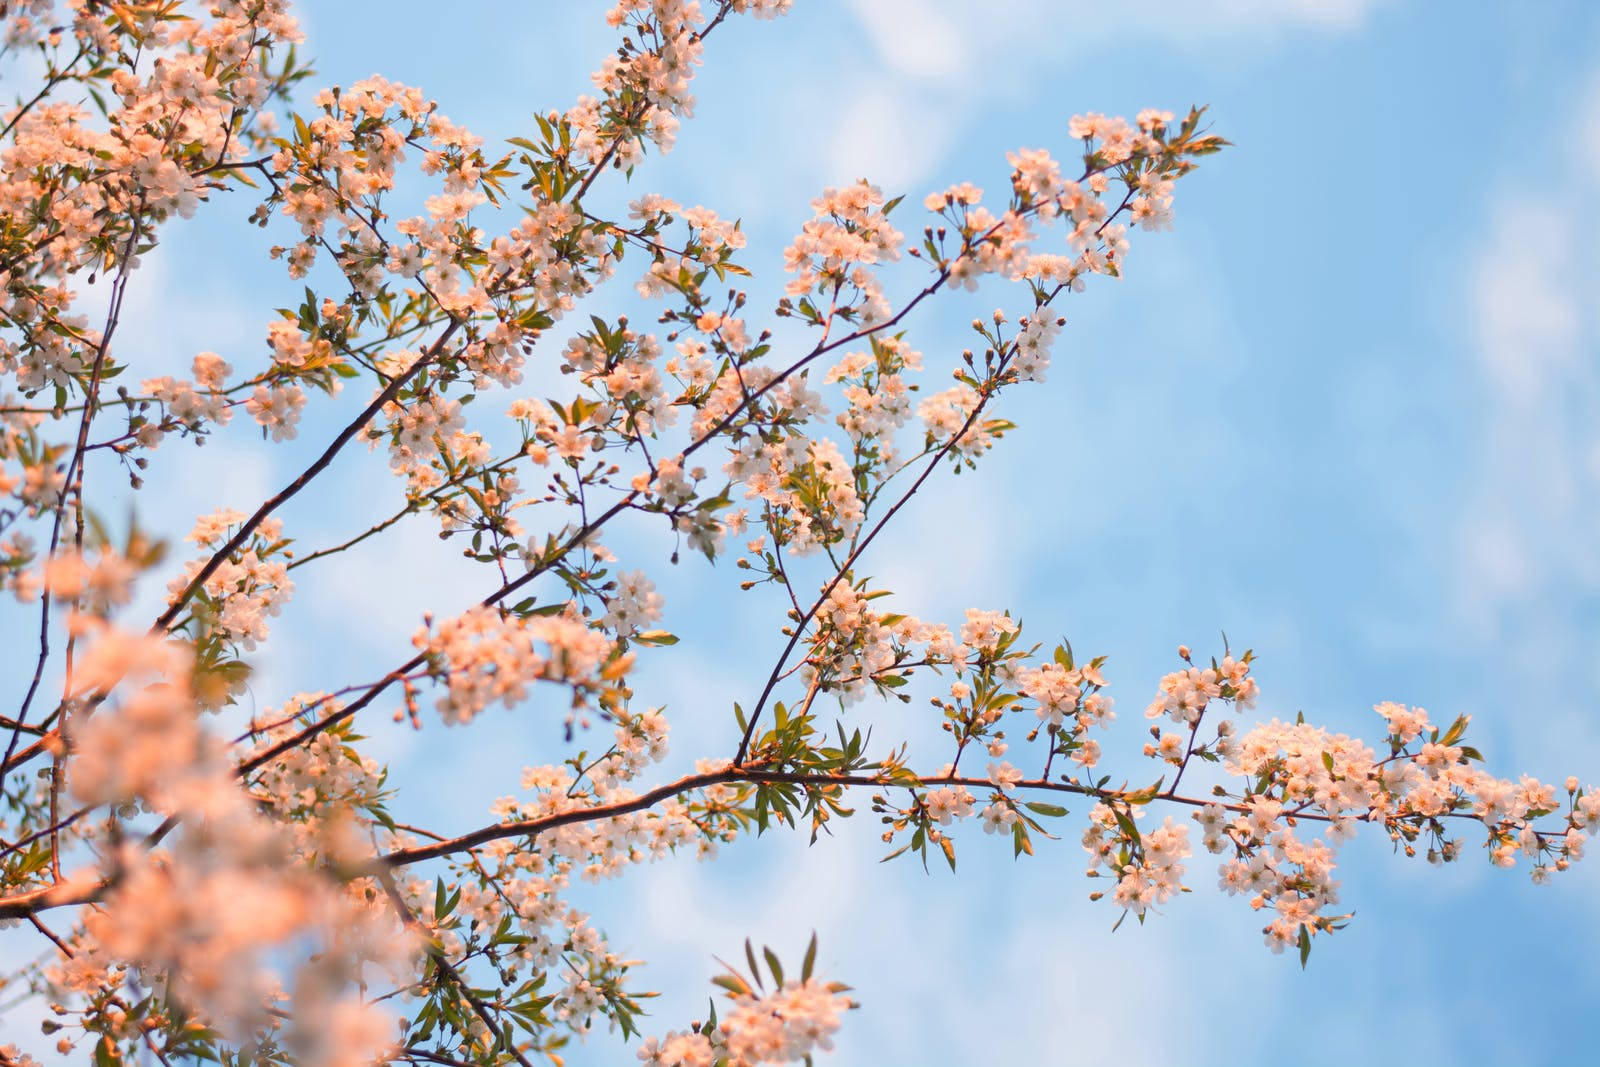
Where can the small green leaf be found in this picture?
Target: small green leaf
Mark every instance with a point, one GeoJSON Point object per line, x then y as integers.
{"type": "Point", "coordinates": [733, 984]}
{"type": "Point", "coordinates": [773, 965]}
{"type": "Point", "coordinates": [750, 957]}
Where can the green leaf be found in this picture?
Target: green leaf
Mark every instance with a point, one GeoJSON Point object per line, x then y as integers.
{"type": "Point", "coordinates": [1126, 823]}
{"type": "Point", "coordinates": [1147, 794]}
{"type": "Point", "coordinates": [750, 957]}
{"type": "Point", "coordinates": [809, 962]}
{"type": "Point", "coordinates": [1305, 945]}
{"type": "Point", "coordinates": [1019, 840]}
{"type": "Point", "coordinates": [733, 984]}
{"type": "Point", "coordinates": [773, 965]}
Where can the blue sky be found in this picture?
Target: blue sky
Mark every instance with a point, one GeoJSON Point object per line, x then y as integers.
{"type": "Point", "coordinates": [1346, 412]}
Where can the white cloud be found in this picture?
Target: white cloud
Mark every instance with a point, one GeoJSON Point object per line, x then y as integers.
{"type": "Point", "coordinates": [951, 550]}
{"type": "Point", "coordinates": [1495, 555]}
{"type": "Point", "coordinates": [1528, 525]}
{"type": "Point", "coordinates": [983, 44]}
{"type": "Point", "coordinates": [1525, 544]}
{"type": "Point", "coordinates": [948, 58]}
{"type": "Point", "coordinates": [1526, 300]}
{"type": "Point", "coordinates": [1589, 129]}
{"type": "Point", "coordinates": [375, 594]}
{"type": "Point", "coordinates": [916, 37]}
{"type": "Point", "coordinates": [889, 135]}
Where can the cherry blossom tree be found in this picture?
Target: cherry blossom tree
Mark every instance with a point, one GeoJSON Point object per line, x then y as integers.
{"type": "Point", "coordinates": [203, 882]}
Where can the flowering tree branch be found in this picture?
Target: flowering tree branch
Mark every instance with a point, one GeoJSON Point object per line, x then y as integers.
{"type": "Point", "coordinates": [231, 890]}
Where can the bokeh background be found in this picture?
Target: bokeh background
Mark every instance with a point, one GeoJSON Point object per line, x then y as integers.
{"type": "Point", "coordinates": [1345, 412]}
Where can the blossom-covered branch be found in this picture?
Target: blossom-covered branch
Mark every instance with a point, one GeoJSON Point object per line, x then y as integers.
{"type": "Point", "coordinates": [230, 887]}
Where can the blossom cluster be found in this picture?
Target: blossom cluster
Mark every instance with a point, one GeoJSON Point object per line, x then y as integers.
{"type": "Point", "coordinates": [485, 657]}
{"type": "Point", "coordinates": [247, 586]}
{"type": "Point", "coordinates": [1147, 875]}
{"type": "Point", "coordinates": [205, 915]}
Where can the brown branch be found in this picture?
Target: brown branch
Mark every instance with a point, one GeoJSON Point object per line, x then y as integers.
{"type": "Point", "coordinates": [74, 473]}
{"type": "Point", "coordinates": [754, 775]}
{"type": "Point", "coordinates": [305, 477]}
{"type": "Point", "coordinates": [60, 895]}
{"type": "Point", "coordinates": [501, 1037]}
